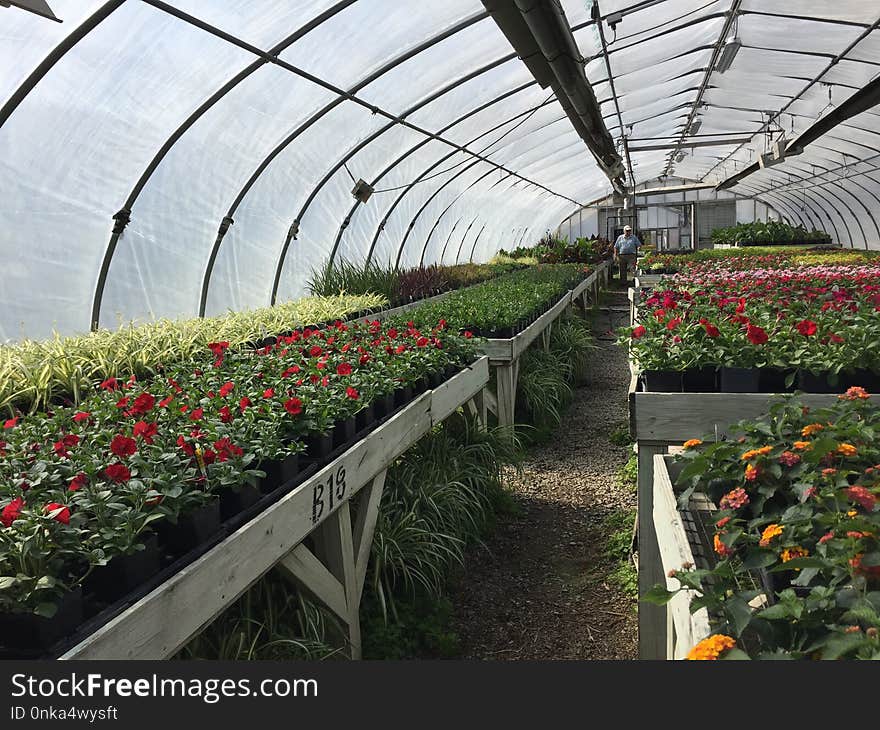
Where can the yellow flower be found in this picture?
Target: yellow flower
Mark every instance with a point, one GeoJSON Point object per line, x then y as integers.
{"type": "Point", "coordinates": [811, 429]}
{"type": "Point", "coordinates": [763, 451]}
{"type": "Point", "coordinates": [711, 647]}
{"type": "Point", "coordinates": [851, 513]}
{"type": "Point", "coordinates": [692, 443]}
{"type": "Point", "coordinates": [794, 552]}
{"type": "Point", "coordinates": [751, 473]}
{"type": "Point", "coordinates": [847, 450]}
{"type": "Point", "coordinates": [802, 445]}
{"type": "Point", "coordinates": [769, 533]}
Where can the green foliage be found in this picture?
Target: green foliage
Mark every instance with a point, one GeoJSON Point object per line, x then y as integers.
{"type": "Point", "coordinates": [270, 621]}
{"type": "Point", "coordinates": [421, 630]}
{"type": "Point", "coordinates": [618, 527]}
{"type": "Point", "coordinates": [34, 374]}
{"type": "Point", "coordinates": [626, 579]}
{"type": "Point", "coordinates": [629, 473]}
{"type": "Point", "coordinates": [346, 277]}
{"type": "Point", "coordinates": [620, 435]}
{"type": "Point", "coordinates": [768, 233]}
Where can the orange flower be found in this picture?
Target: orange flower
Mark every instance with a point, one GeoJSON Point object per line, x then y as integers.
{"type": "Point", "coordinates": [721, 548]}
{"type": "Point", "coordinates": [802, 445]}
{"type": "Point", "coordinates": [751, 473]}
{"type": "Point", "coordinates": [847, 450]}
{"type": "Point", "coordinates": [763, 451]}
{"type": "Point", "coordinates": [769, 533]}
{"type": "Point", "coordinates": [811, 429]}
{"type": "Point", "coordinates": [829, 472]}
{"type": "Point", "coordinates": [711, 647]}
{"type": "Point", "coordinates": [692, 443]}
{"type": "Point", "coordinates": [855, 393]}
{"type": "Point", "coordinates": [794, 552]}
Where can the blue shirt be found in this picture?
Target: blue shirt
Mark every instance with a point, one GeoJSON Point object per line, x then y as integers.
{"type": "Point", "coordinates": [627, 244]}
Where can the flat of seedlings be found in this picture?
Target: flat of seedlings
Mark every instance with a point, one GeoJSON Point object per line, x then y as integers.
{"type": "Point", "coordinates": [541, 585]}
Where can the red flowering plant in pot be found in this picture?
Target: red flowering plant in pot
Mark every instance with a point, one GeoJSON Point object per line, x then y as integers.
{"type": "Point", "coordinates": [796, 570]}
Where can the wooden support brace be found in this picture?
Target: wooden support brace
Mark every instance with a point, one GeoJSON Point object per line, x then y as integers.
{"type": "Point", "coordinates": [545, 337]}
{"type": "Point", "coordinates": [478, 407]}
{"type": "Point", "coordinates": [652, 619]}
{"type": "Point", "coordinates": [507, 376]}
{"type": "Point", "coordinates": [335, 573]}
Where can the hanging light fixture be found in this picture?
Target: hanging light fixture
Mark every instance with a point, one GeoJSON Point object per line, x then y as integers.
{"type": "Point", "coordinates": [695, 125]}
{"type": "Point", "coordinates": [728, 53]}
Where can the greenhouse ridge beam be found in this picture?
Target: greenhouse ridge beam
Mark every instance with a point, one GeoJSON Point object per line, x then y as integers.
{"type": "Point", "coordinates": [539, 32]}
{"type": "Point", "coordinates": [716, 53]}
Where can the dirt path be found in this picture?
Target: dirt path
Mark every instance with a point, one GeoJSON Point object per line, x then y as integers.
{"type": "Point", "coordinates": [540, 588]}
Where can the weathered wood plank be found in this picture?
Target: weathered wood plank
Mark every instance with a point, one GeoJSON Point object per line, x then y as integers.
{"type": "Point", "coordinates": [364, 527]}
{"type": "Point", "coordinates": [160, 623]}
{"type": "Point", "coordinates": [447, 397]}
{"type": "Point", "coordinates": [305, 568]}
{"type": "Point", "coordinates": [652, 619]}
{"type": "Point", "coordinates": [676, 417]}
{"type": "Point", "coordinates": [675, 551]}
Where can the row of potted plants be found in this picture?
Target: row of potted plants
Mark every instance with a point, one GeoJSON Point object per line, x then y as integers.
{"type": "Point", "coordinates": [37, 374]}
{"type": "Point", "coordinates": [558, 250]}
{"type": "Point", "coordinates": [769, 233]}
{"type": "Point", "coordinates": [766, 330]}
{"type": "Point", "coordinates": [671, 262]}
{"type": "Point", "coordinates": [795, 558]}
{"type": "Point", "coordinates": [94, 497]}
{"type": "Point", "coordinates": [503, 307]}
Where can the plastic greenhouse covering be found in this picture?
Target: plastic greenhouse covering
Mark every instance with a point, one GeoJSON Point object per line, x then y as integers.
{"type": "Point", "coordinates": [193, 156]}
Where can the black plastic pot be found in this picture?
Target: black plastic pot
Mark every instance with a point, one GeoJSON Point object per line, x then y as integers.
{"type": "Point", "coordinates": [450, 372]}
{"type": "Point", "coordinates": [662, 381]}
{"type": "Point", "coordinates": [403, 395]}
{"type": "Point", "coordinates": [384, 405]}
{"type": "Point", "coordinates": [435, 379]}
{"type": "Point", "coordinates": [773, 380]}
{"type": "Point", "coordinates": [810, 383]}
{"type": "Point", "coordinates": [862, 378]}
{"type": "Point", "coordinates": [192, 528]}
{"type": "Point", "coordinates": [505, 333]}
{"type": "Point", "coordinates": [234, 500]}
{"type": "Point", "coordinates": [124, 573]}
{"type": "Point", "coordinates": [279, 472]}
{"type": "Point", "coordinates": [365, 418]}
{"type": "Point", "coordinates": [27, 635]}
{"type": "Point", "coordinates": [739, 380]}
{"type": "Point", "coordinates": [344, 431]}
{"type": "Point", "coordinates": [700, 380]}
{"type": "Point", "coordinates": [319, 445]}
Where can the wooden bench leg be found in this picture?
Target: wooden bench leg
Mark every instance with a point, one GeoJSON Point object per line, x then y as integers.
{"type": "Point", "coordinates": [335, 573]}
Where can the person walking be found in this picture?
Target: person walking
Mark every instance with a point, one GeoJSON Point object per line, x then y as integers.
{"type": "Point", "coordinates": [626, 249]}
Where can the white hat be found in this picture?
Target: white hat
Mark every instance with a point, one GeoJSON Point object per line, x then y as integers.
{"type": "Point", "coordinates": [627, 228]}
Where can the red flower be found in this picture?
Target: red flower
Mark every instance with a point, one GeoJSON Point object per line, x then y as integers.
{"type": "Point", "coordinates": [226, 449]}
{"type": "Point", "coordinates": [364, 359]}
{"type": "Point", "coordinates": [11, 512]}
{"type": "Point", "coordinates": [863, 497]}
{"type": "Point", "coordinates": [110, 384]}
{"type": "Point", "coordinates": [226, 389]}
{"type": "Point", "coordinates": [174, 384]}
{"type": "Point", "coordinates": [244, 403]}
{"type": "Point", "coordinates": [826, 537]}
{"type": "Point", "coordinates": [187, 448]}
{"type": "Point", "coordinates": [197, 414]}
{"type": "Point", "coordinates": [78, 482]}
{"type": "Point", "coordinates": [806, 327]}
{"type": "Point", "coordinates": [225, 414]}
{"type": "Point", "coordinates": [638, 332]}
{"type": "Point", "coordinates": [142, 404]}
{"type": "Point", "coordinates": [268, 393]}
{"type": "Point", "coordinates": [81, 416]}
{"type": "Point", "coordinates": [400, 349]}
{"type": "Point", "coordinates": [165, 402]}
{"type": "Point", "coordinates": [123, 446]}
{"type": "Point", "coordinates": [756, 335]}
{"type": "Point", "coordinates": [352, 393]}
{"type": "Point", "coordinates": [293, 406]}
{"type": "Point", "coordinates": [467, 334]}
{"type": "Point", "coordinates": [147, 431]}
{"type": "Point", "coordinates": [343, 369]}
{"type": "Point", "coordinates": [67, 442]}
{"type": "Point", "coordinates": [315, 351]}
{"type": "Point", "coordinates": [208, 456]}
{"type": "Point", "coordinates": [422, 341]}
{"type": "Point", "coordinates": [117, 473]}
{"type": "Point", "coordinates": [218, 347]}
{"type": "Point", "coordinates": [711, 329]}
{"type": "Point", "coordinates": [673, 323]}
{"type": "Point", "coordinates": [63, 513]}
{"type": "Point", "coordinates": [659, 314]}
{"type": "Point", "coordinates": [123, 402]}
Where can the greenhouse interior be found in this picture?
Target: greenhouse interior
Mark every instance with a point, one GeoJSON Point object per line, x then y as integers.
{"type": "Point", "coordinates": [500, 330]}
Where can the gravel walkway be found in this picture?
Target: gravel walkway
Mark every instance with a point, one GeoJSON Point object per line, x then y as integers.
{"type": "Point", "coordinates": [537, 589]}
